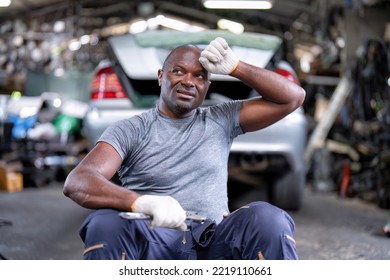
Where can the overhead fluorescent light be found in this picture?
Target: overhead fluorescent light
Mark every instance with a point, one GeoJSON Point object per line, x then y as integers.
{"type": "Point", "coordinates": [236, 4]}
{"type": "Point", "coordinates": [232, 26]}
{"type": "Point", "coordinates": [5, 3]}
{"type": "Point", "coordinates": [138, 26]}
{"type": "Point", "coordinates": [165, 21]}
{"type": "Point", "coordinates": [176, 24]}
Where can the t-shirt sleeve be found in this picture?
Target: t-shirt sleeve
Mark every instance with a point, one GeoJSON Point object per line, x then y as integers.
{"type": "Point", "coordinates": [227, 114]}
{"type": "Point", "coordinates": [120, 135]}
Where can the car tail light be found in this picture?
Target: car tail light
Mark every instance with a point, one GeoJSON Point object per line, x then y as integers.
{"type": "Point", "coordinates": [105, 84]}
{"type": "Point", "coordinates": [287, 71]}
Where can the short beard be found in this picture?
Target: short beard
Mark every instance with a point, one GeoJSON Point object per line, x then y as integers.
{"type": "Point", "coordinates": [182, 110]}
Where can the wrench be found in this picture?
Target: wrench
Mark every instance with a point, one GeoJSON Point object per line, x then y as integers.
{"type": "Point", "coordinates": [191, 215]}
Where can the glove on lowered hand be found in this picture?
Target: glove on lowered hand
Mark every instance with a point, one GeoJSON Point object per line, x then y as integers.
{"type": "Point", "coordinates": [218, 58]}
{"type": "Point", "coordinates": [165, 211]}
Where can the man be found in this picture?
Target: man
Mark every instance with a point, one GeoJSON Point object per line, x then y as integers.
{"type": "Point", "coordinates": [173, 159]}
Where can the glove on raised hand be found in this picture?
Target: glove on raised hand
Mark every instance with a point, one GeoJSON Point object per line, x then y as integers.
{"type": "Point", "coordinates": [165, 211]}
{"type": "Point", "coordinates": [218, 58]}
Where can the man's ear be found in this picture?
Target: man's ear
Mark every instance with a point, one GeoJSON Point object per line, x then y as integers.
{"type": "Point", "coordinates": [159, 76]}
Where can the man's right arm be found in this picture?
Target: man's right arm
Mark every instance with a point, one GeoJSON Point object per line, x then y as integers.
{"type": "Point", "coordinates": [89, 185]}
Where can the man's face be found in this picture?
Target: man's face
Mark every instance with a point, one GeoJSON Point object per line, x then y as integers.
{"type": "Point", "coordinates": [184, 83]}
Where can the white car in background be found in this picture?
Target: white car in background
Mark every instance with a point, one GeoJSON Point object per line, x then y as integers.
{"type": "Point", "coordinates": [126, 84]}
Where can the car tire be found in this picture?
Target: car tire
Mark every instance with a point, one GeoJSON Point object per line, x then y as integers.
{"type": "Point", "coordinates": [287, 191]}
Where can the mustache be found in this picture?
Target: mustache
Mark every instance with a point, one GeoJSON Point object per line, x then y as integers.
{"type": "Point", "coordinates": [186, 91]}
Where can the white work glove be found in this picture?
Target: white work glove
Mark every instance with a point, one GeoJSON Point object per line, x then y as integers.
{"type": "Point", "coordinates": [218, 58]}
{"type": "Point", "coordinates": [165, 211]}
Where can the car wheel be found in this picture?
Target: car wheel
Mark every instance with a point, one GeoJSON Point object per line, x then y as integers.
{"type": "Point", "coordinates": [287, 191]}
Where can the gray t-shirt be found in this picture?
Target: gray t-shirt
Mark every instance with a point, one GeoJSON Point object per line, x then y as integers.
{"type": "Point", "coordinates": [184, 158]}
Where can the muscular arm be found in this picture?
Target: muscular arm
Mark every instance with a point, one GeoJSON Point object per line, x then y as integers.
{"type": "Point", "coordinates": [279, 97]}
{"type": "Point", "coordinates": [88, 183]}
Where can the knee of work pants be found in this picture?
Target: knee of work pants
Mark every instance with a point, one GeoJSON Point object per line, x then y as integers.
{"type": "Point", "coordinates": [104, 233]}
{"type": "Point", "coordinates": [258, 230]}
{"type": "Point", "coordinates": [107, 236]}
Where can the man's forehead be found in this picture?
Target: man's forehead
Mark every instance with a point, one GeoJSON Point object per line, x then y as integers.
{"type": "Point", "coordinates": [184, 52]}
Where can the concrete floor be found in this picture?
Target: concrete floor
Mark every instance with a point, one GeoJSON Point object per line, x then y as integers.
{"type": "Point", "coordinates": [42, 224]}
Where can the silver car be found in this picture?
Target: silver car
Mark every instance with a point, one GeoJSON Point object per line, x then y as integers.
{"type": "Point", "coordinates": [126, 84]}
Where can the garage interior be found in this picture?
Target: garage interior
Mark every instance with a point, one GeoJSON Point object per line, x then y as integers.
{"type": "Point", "coordinates": [50, 49]}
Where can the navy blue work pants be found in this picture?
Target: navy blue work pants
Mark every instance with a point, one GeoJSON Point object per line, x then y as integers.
{"type": "Point", "coordinates": [256, 231]}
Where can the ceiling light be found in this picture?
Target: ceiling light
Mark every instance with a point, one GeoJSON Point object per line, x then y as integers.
{"type": "Point", "coordinates": [232, 26]}
{"type": "Point", "coordinates": [85, 39]}
{"type": "Point", "coordinates": [232, 4]}
{"type": "Point", "coordinates": [138, 26]}
{"type": "Point", "coordinates": [74, 45]}
{"type": "Point", "coordinates": [5, 3]}
{"type": "Point", "coordinates": [177, 24]}
{"type": "Point", "coordinates": [59, 26]}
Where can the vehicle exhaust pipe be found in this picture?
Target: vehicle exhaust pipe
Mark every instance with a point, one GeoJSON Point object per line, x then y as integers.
{"type": "Point", "coordinates": [253, 162]}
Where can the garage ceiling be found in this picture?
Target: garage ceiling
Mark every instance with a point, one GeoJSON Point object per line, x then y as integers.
{"type": "Point", "coordinates": [303, 23]}
{"type": "Point", "coordinates": [304, 13]}
{"type": "Point", "coordinates": [300, 15]}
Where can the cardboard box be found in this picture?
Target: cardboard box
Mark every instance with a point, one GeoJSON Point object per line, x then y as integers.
{"type": "Point", "coordinates": [10, 181]}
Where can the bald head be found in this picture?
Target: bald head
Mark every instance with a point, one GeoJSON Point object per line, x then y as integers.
{"type": "Point", "coordinates": [180, 51]}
